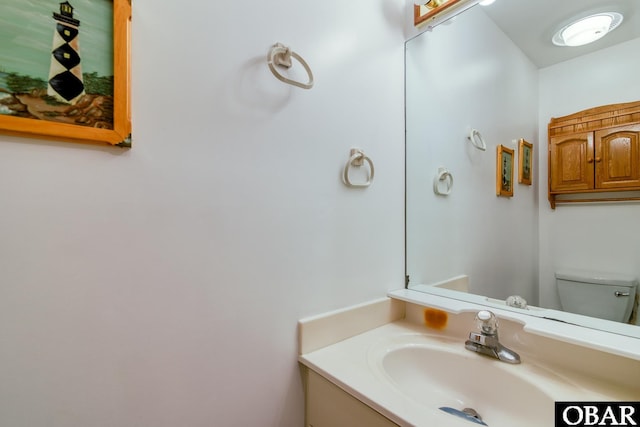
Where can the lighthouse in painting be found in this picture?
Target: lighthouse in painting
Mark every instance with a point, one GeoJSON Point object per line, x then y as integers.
{"type": "Point", "coordinates": [65, 73]}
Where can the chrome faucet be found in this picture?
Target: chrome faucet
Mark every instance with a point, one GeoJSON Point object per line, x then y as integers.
{"type": "Point", "coordinates": [486, 341]}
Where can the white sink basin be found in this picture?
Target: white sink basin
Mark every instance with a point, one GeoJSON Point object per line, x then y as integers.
{"type": "Point", "coordinates": [437, 372]}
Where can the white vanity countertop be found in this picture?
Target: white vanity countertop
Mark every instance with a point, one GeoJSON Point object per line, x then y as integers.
{"type": "Point", "coordinates": [346, 364]}
{"type": "Point", "coordinates": [351, 365]}
{"type": "Point", "coordinates": [345, 347]}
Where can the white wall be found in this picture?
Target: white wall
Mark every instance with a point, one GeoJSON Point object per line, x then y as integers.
{"type": "Point", "coordinates": [600, 237]}
{"type": "Point", "coordinates": [160, 286]}
{"type": "Point", "coordinates": [468, 74]}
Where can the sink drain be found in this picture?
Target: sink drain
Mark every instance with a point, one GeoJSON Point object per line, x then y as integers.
{"type": "Point", "coordinates": [468, 414]}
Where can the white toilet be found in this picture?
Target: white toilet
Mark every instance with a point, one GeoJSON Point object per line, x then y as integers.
{"type": "Point", "coordinates": [603, 295]}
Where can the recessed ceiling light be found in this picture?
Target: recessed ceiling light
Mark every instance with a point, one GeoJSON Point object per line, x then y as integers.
{"type": "Point", "coordinates": [486, 2]}
{"type": "Point", "coordinates": [587, 30]}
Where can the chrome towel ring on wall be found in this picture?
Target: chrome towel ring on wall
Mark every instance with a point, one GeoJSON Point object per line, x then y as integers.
{"type": "Point", "coordinates": [357, 158]}
{"type": "Point", "coordinates": [281, 55]}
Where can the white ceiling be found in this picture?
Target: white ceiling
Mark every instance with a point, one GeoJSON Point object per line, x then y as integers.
{"type": "Point", "coordinates": [532, 23]}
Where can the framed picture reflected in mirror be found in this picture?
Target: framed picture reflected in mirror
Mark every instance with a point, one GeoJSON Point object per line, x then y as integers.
{"type": "Point", "coordinates": [525, 159]}
{"type": "Point", "coordinates": [504, 172]}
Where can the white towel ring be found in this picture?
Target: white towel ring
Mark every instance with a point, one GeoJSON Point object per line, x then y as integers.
{"type": "Point", "coordinates": [443, 176]}
{"type": "Point", "coordinates": [357, 158]}
{"type": "Point", "coordinates": [477, 140]}
{"type": "Point", "coordinates": [281, 55]}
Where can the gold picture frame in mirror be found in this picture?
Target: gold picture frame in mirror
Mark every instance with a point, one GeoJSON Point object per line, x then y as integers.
{"type": "Point", "coordinates": [525, 162]}
{"type": "Point", "coordinates": [504, 172]}
{"type": "Point", "coordinates": [76, 89]}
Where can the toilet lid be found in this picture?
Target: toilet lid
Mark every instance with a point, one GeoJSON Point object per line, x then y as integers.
{"type": "Point", "coordinates": [612, 279]}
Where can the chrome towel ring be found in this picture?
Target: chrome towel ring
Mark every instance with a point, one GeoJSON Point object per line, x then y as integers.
{"type": "Point", "coordinates": [281, 55]}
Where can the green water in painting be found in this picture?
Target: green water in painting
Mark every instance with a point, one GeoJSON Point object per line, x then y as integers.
{"type": "Point", "coordinates": [26, 35]}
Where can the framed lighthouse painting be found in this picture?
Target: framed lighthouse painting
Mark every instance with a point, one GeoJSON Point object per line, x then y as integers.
{"type": "Point", "coordinates": [64, 70]}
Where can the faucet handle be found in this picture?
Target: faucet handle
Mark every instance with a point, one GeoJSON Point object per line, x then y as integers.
{"type": "Point", "coordinates": [487, 322]}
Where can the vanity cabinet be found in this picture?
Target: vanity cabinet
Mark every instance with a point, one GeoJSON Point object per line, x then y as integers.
{"type": "Point", "coordinates": [595, 152]}
{"type": "Point", "coordinates": [326, 405]}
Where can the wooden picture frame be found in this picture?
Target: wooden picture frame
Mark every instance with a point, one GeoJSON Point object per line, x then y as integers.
{"type": "Point", "coordinates": [430, 13]}
{"type": "Point", "coordinates": [504, 172]}
{"type": "Point", "coordinates": [525, 162]}
{"type": "Point", "coordinates": [56, 107]}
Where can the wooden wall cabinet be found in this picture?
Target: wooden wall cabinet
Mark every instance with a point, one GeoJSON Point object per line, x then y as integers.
{"type": "Point", "coordinates": [594, 153]}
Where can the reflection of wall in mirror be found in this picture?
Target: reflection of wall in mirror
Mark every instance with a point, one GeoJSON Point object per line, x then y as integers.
{"type": "Point", "coordinates": [605, 77]}
{"type": "Point", "coordinates": [476, 65]}
{"type": "Point", "coordinates": [472, 228]}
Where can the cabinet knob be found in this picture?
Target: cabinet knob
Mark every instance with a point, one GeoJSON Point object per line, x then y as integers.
{"type": "Point", "coordinates": [590, 160]}
{"type": "Point", "coordinates": [598, 159]}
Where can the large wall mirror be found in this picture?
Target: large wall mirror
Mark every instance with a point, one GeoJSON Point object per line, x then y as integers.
{"type": "Point", "coordinates": [495, 70]}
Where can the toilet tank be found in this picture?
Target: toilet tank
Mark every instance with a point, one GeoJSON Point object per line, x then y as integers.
{"type": "Point", "coordinates": [603, 295]}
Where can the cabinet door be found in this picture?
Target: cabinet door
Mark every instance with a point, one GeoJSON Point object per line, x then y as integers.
{"type": "Point", "coordinates": [618, 157]}
{"type": "Point", "coordinates": [329, 406]}
{"type": "Point", "coordinates": [571, 164]}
